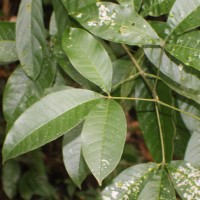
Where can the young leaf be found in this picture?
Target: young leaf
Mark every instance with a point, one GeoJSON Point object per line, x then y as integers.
{"type": "Point", "coordinates": [72, 155]}
{"type": "Point", "coordinates": [30, 37]}
{"type": "Point", "coordinates": [186, 48]}
{"type": "Point", "coordinates": [117, 24]}
{"type": "Point", "coordinates": [192, 153]}
{"type": "Point", "coordinates": [48, 119]}
{"type": "Point", "coordinates": [19, 95]}
{"type": "Point", "coordinates": [89, 57]}
{"type": "Point", "coordinates": [177, 76]}
{"type": "Point", "coordinates": [156, 7]}
{"type": "Point", "coordinates": [184, 16]}
{"type": "Point", "coordinates": [158, 187]}
{"type": "Point", "coordinates": [8, 51]}
{"type": "Point", "coordinates": [10, 178]}
{"type": "Point", "coordinates": [149, 122]}
{"type": "Point", "coordinates": [103, 138]}
{"type": "Point", "coordinates": [186, 179]}
{"type": "Point", "coordinates": [130, 182]}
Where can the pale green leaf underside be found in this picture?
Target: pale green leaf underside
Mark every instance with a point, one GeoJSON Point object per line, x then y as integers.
{"type": "Point", "coordinates": [182, 79]}
{"type": "Point", "coordinates": [30, 37]}
{"type": "Point", "coordinates": [8, 51]}
{"type": "Point", "coordinates": [117, 24]}
{"type": "Point", "coordinates": [72, 155]}
{"type": "Point", "coordinates": [192, 153]}
{"type": "Point", "coordinates": [184, 16]}
{"type": "Point", "coordinates": [186, 48]}
{"type": "Point", "coordinates": [88, 57]}
{"type": "Point", "coordinates": [186, 179]}
{"type": "Point", "coordinates": [103, 138]}
{"type": "Point", "coordinates": [129, 183]}
{"type": "Point", "coordinates": [48, 119]}
{"type": "Point", "coordinates": [127, 3]}
{"type": "Point", "coordinates": [159, 187]}
{"type": "Point", "coordinates": [156, 7]}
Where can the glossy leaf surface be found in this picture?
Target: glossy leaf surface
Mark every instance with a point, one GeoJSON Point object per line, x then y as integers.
{"type": "Point", "coordinates": [156, 7]}
{"type": "Point", "coordinates": [8, 51]}
{"type": "Point", "coordinates": [48, 119]}
{"type": "Point", "coordinates": [184, 16]}
{"type": "Point", "coordinates": [184, 177]}
{"type": "Point", "coordinates": [88, 57]}
{"type": "Point", "coordinates": [186, 48]}
{"type": "Point", "coordinates": [72, 155]}
{"type": "Point", "coordinates": [130, 182]}
{"type": "Point", "coordinates": [103, 138]}
{"type": "Point", "coordinates": [30, 37]}
{"type": "Point", "coordinates": [149, 122]}
{"type": "Point", "coordinates": [117, 24]}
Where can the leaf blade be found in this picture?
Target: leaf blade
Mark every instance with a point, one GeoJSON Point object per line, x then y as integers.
{"type": "Point", "coordinates": [25, 134]}
{"type": "Point", "coordinates": [103, 138]}
{"type": "Point", "coordinates": [96, 65]}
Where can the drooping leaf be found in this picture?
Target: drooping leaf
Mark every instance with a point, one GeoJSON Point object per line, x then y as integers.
{"type": "Point", "coordinates": [48, 119]}
{"type": "Point", "coordinates": [72, 155]}
{"type": "Point", "coordinates": [8, 51]}
{"type": "Point", "coordinates": [149, 122]}
{"type": "Point", "coordinates": [192, 153]}
{"type": "Point", "coordinates": [186, 179]}
{"type": "Point", "coordinates": [30, 37]}
{"type": "Point", "coordinates": [156, 7]}
{"type": "Point", "coordinates": [186, 48]}
{"type": "Point", "coordinates": [182, 79]}
{"type": "Point", "coordinates": [88, 57]}
{"type": "Point", "coordinates": [184, 16]}
{"type": "Point", "coordinates": [103, 138]}
{"type": "Point", "coordinates": [11, 175]}
{"type": "Point", "coordinates": [158, 187]}
{"type": "Point", "coordinates": [116, 23]}
{"type": "Point", "coordinates": [130, 182]}
{"type": "Point", "coordinates": [19, 95]}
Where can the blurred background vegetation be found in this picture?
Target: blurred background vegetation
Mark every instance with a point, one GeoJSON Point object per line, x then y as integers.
{"type": "Point", "coordinates": [41, 174]}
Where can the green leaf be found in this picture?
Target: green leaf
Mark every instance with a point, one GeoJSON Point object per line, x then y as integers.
{"type": "Point", "coordinates": [30, 37]}
{"type": "Point", "coordinates": [182, 79]}
{"type": "Point", "coordinates": [158, 187]}
{"type": "Point", "coordinates": [19, 95]}
{"type": "Point", "coordinates": [10, 178]}
{"type": "Point", "coordinates": [73, 6]}
{"type": "Point", "coordinates": [156, 7]}
{"type": "Point", "coordinates": [8, 51]}
{"type": "Point", "coordinates": [192, 153]}
{"type": "Point", "coordinates": [88, 57]}
{"type": "Point", "coordinates": [186, 48]}
{"type": "Point", "coordinates": [72, 155]}
{"type": "Point", "coordinates": [137, 5]}
{"type": "Point", "coordinates": [130, 182]}
{"type": "Point", "coordinates": [61, 17]}
{"type": "Point", "coordinates": [184, 16]}
{"type": "Point", "coordinates": [149, 122]}
{"type": "Point", "coordinates": [103, 138]}
{"type": "Point", "coordinates": [127, 3]}
{"type": "Point", "coordinates": [186, 179]}
{"type": "Point", "coordinates": [117, 24]}
{"type": "Point", "coordinates": [47, 120]}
